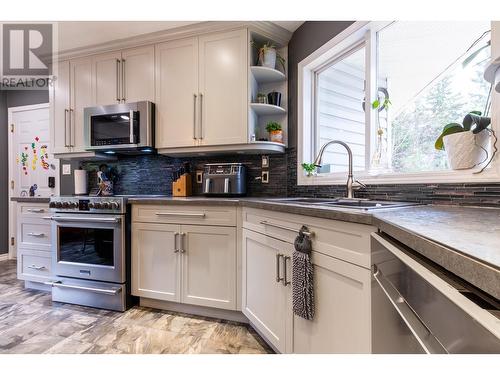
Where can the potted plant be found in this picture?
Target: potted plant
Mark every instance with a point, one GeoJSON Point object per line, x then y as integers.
{"type": "Point", "coordinates": [267, 55]}
{"type": "Point", "coordinates": [261, 98]}
{"type": "Point", "coordinates": [466, 147]}
{"type": "Point", "coordinates": [275, 131]}
{"type": "Point", "coordinates": [310, 168]}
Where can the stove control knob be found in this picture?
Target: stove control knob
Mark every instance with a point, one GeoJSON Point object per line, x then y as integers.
{"type": "Point", "coordinates": [91, 205]}
{"type": "Point", "coordinates": [115, 205]}
{"type": "Point", "coordinates": [97, 205]}
{"type": "Point", "coordinates": [58, 204]}
{"type": "Point", "coordinates": [73, 205]}
{"type": "Point", "coordinates": [52, 205]}
{"type": "Point", "coordinates": [105, 205]}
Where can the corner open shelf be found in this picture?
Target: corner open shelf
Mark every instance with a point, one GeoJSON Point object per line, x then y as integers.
{"type": "Point", "coordinates": [266, 75]}
{"type": "Point", "coordinates": [267, 109]}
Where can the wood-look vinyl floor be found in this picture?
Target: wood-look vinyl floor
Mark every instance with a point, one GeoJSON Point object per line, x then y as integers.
{"type": "Point", "coordinates": [31, 323]}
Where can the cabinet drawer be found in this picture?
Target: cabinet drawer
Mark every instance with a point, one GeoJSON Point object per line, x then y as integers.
{"type": "Point", "coordinates": [174, 214]}
{"type": "Point", "coordinates": [342, 240]}
{"type": "Point", "coordinates": [39, 210]}
{"type": "Point", "coordinates": [34, 233]}
{"type": "Point", "coordinates": [33, 265]}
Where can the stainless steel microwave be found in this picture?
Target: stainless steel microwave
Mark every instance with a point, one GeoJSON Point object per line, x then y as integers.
{"type": "Point", "coordinates": [119, 127]}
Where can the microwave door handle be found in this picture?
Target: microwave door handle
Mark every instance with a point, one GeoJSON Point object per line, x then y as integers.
{"type": "Point", "coordinates": [131, 119]}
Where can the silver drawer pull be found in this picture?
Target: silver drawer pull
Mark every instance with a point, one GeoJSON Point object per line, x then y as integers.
{"type": "Point", "coordinates": [35, 210]}
{"type": "Point", "coordinates": [58, 284]}
{"type": "Point", "coordinates": [269, 224]}
{"type": "Point", "coordinates": [37, 268]}
{"type": "Point", "coordinates": [188, 214]}
{"type": "Point", "coordinates": [278, 276]}
{"type": "Point", "coordinates": [35, 234]}
{"type": "Point", "coordinates": [286, 282]}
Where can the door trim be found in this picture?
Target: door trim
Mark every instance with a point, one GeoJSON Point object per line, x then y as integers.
{"type": "Point", "coordinates": [12, 205]}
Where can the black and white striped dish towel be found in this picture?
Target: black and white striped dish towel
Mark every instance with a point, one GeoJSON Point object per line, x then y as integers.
{"type": "Point", "coordinates": [302, 277]}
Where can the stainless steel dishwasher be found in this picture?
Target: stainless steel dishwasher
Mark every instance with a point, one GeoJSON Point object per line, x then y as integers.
{"type": "Point", "coordinates": [417, 307]}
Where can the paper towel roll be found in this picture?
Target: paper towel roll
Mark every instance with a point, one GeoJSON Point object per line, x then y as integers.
{"type": "Point", "coordinates": [80, 182]}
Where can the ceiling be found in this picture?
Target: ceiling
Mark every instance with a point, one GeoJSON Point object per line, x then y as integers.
{"type": "Point", "coordinates": [87, 33]}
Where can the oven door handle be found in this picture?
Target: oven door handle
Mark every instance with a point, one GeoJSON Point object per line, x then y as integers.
{"type": "Point", "coordinates": [86, 219]}
{"type": "Point", "coordinates": [58, 284]}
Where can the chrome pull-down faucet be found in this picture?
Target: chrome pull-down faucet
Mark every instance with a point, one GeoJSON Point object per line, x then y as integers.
{"type": "Point", "coordinates": [350, 179]}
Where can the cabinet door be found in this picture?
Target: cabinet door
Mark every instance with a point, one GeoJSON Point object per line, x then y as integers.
{"type": "Point", "coordinates": [106, 72]}
{"type": "Point", "coordinates": [138, 79]}
{"type": "Point", "coordinates": [176, 93]}
{"type": "Point", "coordinates": [155, 262]}
{"type": "Point", "coordinates": [342, 310]}
{"type": "Point", "coordinates": [209, 266]}
{"type": "Point", "coordinates": [266, 302]}
{"type": "Point", "coordinates": [81, 96]}
{"type": "Point", "coordinates": [60, 105]}
{"type": "Point", "coordinates": [223, 88]}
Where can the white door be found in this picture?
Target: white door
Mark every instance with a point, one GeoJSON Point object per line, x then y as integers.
{"type": "Point", "coordinates": [81, 97]}
{"type": "Point", "coordinates": [106, 74]}
{"type": "Point", "coordinates": [60, 105]}
{"type": "Point", "coordinates": [138, 79]}
{"type": "Point", "coordinates": [155, 261]}
{"type": "Point", "coordinates": [266, 302]}
{"type": "Point", "coordinates": [32, 161]}
{"type": "Point", "coordinates": [177, 93]}
{"type": "Point", "coordinates": [342, 310]}
{"type": "Point", "coordinates": [209, 266]}
{"type": "Point", "coordinates": [223, 72]}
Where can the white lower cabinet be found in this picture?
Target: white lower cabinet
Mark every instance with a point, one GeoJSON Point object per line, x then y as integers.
{"type": "Point", "coordinates": [266, 300]}
{"type": "Point", "coordinates": [155, 262]}
{"type": "Point", "coordinates": [342, 310]}
{"type": "Point", "coordinates": [191, 264]}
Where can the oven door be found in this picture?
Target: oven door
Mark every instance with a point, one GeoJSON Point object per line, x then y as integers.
{"type": "Point", "coordinates": [89, 247]}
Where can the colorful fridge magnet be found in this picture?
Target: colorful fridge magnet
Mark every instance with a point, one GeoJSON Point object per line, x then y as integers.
{"type": "Point", "coordinates": [24, 161]}
{"type": "Point", "coordinates": [44, 156]}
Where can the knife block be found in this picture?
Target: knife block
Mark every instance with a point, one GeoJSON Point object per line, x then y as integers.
{"type": "Point", "coordinates": [182, 187]}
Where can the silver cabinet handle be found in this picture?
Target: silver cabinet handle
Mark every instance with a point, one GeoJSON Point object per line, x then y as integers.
{"type": "Point", "coordinates": [182, 242]}
{"type": "Point", "coordinates": [176, 249]}
{"type": "Point", "coordinates": [285, 278]}
{"type": "Point", "coordinates": [278, 273]}
{"type": "Point", "coordinates": [123, 80]}
{"type": "Point", "coordinates": [201, 115]}
{"type": "Point", "coordinates": [195, 97]}
{"type": "Point", "coordinates": [66, 113]}
{"type": "Point", "coordinates": [269, 224]}
{"type": "Point", "coordinates": [118, 80]}
{"type": "Point", "coordinates": [58, 284]}
{"type": "Point", "coordinates": [423, 334]}
{"type": "Point", "coordinates": [36, 268]}
{"type": "Point", "coordinates": [71, 114]}
{"type": "Point", "coordinates": [35, 234]}
{"type": "Point", "coordinates": [35, 210]}
{"type": "Point", "coordinates": [187, 214]}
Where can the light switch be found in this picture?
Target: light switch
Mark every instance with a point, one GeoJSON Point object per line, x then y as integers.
{"type": "Point", "coordinates": [199, 177]}
{"type": "Point", "coordinates": [66, 169]}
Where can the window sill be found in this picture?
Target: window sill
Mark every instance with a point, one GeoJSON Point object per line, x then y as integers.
{"type": "Point", "coordinates": [492, 175]}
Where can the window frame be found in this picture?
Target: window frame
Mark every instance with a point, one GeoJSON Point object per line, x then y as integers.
{"type": "Point", "coordinates": [366, 32]}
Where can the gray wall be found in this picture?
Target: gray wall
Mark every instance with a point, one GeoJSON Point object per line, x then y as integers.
{"type": "Point", "coordinates": [11, 99]}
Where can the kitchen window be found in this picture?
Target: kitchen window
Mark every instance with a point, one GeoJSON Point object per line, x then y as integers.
{"type": "Point", "coordinates": [387, 89]}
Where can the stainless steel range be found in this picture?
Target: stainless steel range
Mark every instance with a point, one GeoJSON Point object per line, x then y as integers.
{"type": "Point", "coordinates": [90, 251]}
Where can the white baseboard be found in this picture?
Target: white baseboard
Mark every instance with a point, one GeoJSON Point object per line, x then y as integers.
{"type": "Point", "coordinates": [4, 257]}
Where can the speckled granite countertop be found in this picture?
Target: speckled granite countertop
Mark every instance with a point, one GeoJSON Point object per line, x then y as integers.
{"type": "Point", "coordinates": [30, 199]}
{"type": "Point", "coordinates": [465, 241]}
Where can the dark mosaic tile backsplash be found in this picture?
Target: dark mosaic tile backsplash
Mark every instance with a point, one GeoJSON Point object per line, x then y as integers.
{"type": "Point", "coordinates": [152, 174]}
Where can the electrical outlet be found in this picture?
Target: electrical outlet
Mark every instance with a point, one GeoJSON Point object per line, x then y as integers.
{"type": "Point", "coordinates": [199, 177]}
{"type": "Point", "coordinates": [265, 161]}
{"type": "Point", "coordinates": [265, 177]}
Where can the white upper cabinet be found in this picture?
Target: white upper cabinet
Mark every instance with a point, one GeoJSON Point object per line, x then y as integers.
{"type": "Point", "coordinates": [59, 111]}
{"type": "Point", "coordinates": [107, 79]}
{"type": "Point", "coordinates": [81, 96]}
{"type": "Point", "coordinates": [223, 79]}
{"type": "Point", "coordinates": [138, 74]}
{"type": "Point", "coordinates": [176, 93]}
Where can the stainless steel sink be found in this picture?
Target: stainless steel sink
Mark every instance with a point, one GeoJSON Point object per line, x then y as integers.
{"type": "Point", "coordinates": [357, 204]}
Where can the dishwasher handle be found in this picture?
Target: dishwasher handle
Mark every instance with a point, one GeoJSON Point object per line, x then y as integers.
{"type": "Point", "coordinates": [422, 333]}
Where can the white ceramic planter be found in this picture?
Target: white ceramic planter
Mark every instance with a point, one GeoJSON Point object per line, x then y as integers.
{"type": "Point", "coordinates": [466, 150]}
{"type": "Point", "coordinates": [269, 59]}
